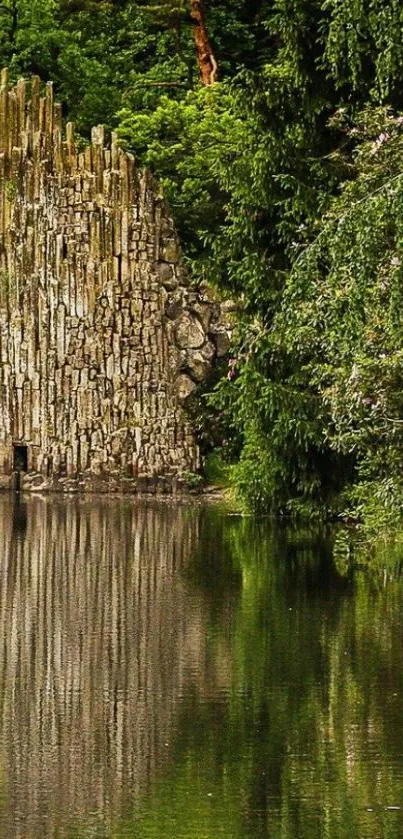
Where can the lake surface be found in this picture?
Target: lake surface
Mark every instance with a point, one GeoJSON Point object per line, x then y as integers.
{"type": "Point", "coordinates": [177, 672]}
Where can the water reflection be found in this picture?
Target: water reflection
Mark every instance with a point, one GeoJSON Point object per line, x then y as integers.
{"type": "Point", "coordinates": [99, 640]}
{"type": "Point", "coordinates": [309, 744]}
{"type": "Point", "coordinates": [171, 672]}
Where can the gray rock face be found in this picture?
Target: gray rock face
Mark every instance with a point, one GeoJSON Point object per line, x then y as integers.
{"type": "Point", "coordinates": [96, 312]}
{"type": "Point", "coordinates": [166, 275]}
{"type": "Point", "coordinates": [197, 366]}
{"type": "Point", "coordinates": [189, 332]}
{"type": "Point", "coordinates": [184, 387]}
{"type": "Point", "coordinates": [221, 342]}
{"type": "Point", "coordinates": [174, 306]}
{"type": "Point", "coordinates": [206, 313]}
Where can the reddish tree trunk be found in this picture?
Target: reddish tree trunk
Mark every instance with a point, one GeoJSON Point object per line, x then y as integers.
{"type": "Point", "coordinates": [205, 57]}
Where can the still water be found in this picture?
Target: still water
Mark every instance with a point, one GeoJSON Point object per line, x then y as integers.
{"type": "Point", "coordinates": [178, 672]}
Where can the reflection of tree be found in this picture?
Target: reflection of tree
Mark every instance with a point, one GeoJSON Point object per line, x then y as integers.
{"type": "Point", "coordinates": [98, 645]}
{"type": "Point", "coordinates": [307, 744]}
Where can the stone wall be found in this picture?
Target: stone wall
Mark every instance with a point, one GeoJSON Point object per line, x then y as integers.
{"type": "Point", "coordinates": [101, 338]}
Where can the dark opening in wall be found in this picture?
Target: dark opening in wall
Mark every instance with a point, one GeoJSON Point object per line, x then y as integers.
{"type": "Point", "coordinates": [20, 458]}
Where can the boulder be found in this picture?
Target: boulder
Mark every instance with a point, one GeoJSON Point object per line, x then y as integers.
{"type": "Point", "coordinates": [221, 342]}
{"type": "Point", "coordinates": [197, 366]}
{"type": "Point", "coordinates": [189, 333]}
{"type": "Point", "coordinates": [184, 387]}
{"type": "Point", "coordinates": [206, 313]}
{"type": "Point", "coordinates": [208, 350]}
{"type": "Point", "coordinates": [166, 276]}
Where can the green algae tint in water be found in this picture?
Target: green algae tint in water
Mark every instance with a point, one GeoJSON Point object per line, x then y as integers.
{"type": "Point", "coordinates": [174, 672]}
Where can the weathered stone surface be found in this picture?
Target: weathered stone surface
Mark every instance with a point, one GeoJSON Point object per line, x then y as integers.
{"type": "Point", "coordinates": [171, 251]}
{"type": "Point", "coordinates": [197, 366]}
{"type": "Point", "coordinates": [174, 306]}
{"type": "Point", "coordinates": [96, 313]}
{"type": "Point", "coordinates": [189, 332]}
{"type": "Point", "coordinates": [208, 351]}
{"type": "Point", "coordinates": [166, 276]}
{"type": "Point", "coordinates": [221, 342]}
{"type": "Point", "coordinates": [184, 387]}
{"type": "Point", "coordinates": [205, 313]}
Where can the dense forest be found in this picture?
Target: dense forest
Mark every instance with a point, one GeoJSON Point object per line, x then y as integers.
{"type": "Point", "coordinates": [276, 129]}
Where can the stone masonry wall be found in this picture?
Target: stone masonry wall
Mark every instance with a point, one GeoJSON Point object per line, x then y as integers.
{"type": "Point", "coordinates": [101, 338]}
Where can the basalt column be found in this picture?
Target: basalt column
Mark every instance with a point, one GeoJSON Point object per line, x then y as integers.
{"type": "Point", "coordinates": [101, 338]}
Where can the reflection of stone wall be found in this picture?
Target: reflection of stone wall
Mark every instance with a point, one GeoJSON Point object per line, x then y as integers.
{"type": "Point", "coordinates": [101, 340]}
{"type": "Point", "coordinates": [98, 641]}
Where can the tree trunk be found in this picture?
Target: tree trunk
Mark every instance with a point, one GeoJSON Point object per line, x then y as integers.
{"type": "Point", "coordinates": [205, 57]}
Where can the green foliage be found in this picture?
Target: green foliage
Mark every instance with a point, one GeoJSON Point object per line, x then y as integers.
{"type": "Point", "coordinates": [364, 46]}
{"type": "Point", "coordinates": [216, 469]}
{"type": "Point", "coordinates": [340, 319]}
{"type": "Point", "coordinates": [319, 395]}
{"type": "Point", "coordinates": [179, 140]}
{"type": "Point", "coordinates": [96, 53]}
{"type": "Point", "coordinates": [193, 480]}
